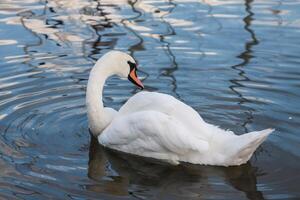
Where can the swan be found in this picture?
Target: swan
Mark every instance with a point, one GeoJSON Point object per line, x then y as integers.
{"type": "Point", "coordinates": [159, 126]}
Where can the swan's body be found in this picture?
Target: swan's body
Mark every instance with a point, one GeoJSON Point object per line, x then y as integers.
{"type": "Point", "coordinates": [159, 126]}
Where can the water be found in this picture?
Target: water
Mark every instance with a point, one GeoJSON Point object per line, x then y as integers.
{"type": "Point", "coordinates": [236, 62]}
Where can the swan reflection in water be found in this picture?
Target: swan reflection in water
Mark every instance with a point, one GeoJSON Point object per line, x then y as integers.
{"type": "Point", "coordinates": [121, 174]}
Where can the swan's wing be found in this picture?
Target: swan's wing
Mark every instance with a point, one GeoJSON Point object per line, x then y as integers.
{"type": "Point", "coordinates": [151, 134]}
{"type": "Point", "coordinates": [149, 101]}
{"type": "Point", "coordinates": [166, 104]}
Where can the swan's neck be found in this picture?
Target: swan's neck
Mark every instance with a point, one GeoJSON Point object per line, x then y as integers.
{"type": "Point", "coordinates": [98, 116]}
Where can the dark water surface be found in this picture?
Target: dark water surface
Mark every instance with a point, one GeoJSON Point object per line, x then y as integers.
{"type": "Point", "coordinates": [236, 62]}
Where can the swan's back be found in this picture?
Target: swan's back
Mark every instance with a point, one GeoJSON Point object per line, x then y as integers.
{"type": "Point", "coordinates": [154, 101]}
{"type": "Point", "coordinates": [150, 101]}
{"type": "Point", "coordinates": [157, 125]}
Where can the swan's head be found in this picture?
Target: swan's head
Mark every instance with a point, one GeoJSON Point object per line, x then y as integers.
{"type": "Point", "coordinates": [124, 66]}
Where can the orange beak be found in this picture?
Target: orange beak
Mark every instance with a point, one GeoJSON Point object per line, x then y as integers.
{"type": "Point", "coordinates": [134, 79]}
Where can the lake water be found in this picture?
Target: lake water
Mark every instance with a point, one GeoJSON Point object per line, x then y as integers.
{"type": "Point", "coordinates": [236, 62]}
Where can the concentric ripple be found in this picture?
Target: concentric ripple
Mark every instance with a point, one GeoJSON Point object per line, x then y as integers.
{"type": "Point", "coordinates": [235, 62]}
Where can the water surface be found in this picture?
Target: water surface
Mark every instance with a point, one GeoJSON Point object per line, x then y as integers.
{"type": "Point", "coordinates": [235, 62]}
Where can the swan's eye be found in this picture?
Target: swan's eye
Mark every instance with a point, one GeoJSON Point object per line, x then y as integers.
{"type": "Point", "coordinates": [131, 65]}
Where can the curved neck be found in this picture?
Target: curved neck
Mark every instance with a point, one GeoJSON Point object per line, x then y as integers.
{"type": "Point", "coordinates": [97, 115]}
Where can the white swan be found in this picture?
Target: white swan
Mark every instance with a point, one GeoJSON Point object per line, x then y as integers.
{"type": "Point", "coordinates": [159, 126]}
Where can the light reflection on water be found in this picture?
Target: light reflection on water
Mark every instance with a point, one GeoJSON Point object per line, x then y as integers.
{"type": "Point", "coordinates": [236, 62]}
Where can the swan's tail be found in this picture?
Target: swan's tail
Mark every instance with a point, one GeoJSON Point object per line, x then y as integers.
{"type": "Point", "coordinates": [246, 145]}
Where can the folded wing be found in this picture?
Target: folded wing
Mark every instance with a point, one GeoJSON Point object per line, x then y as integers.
{"type": "Point", "coordinates": [152, 134]}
